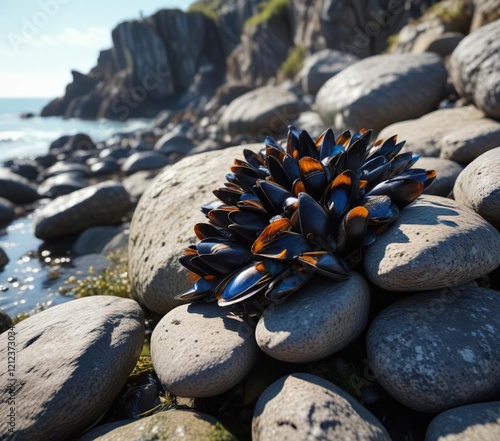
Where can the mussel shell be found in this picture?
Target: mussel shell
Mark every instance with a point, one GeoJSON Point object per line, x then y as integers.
{"type": "Point", "coordinates": [287, 283]}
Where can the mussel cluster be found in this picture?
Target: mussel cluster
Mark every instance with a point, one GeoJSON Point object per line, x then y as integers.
{"type": "Point", "coordinates": [285, 214]}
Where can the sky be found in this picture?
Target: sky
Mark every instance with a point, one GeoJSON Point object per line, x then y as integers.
{"type": "Point", "coordinates": [41, 41]}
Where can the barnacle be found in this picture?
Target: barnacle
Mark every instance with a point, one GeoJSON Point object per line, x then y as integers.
{"type": "Point", "coordinates": [285, 214]}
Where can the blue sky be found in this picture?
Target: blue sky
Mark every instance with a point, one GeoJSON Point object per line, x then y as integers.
{"type": "Point", "coordinates": [42, 40]}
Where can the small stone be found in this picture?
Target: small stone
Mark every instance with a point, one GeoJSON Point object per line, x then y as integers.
{"type": "Point", "coordinates": [101, 204]}
{"type": "Point", "coordinates": [5, 320]}
{"type": "Point", "coordinates": [72, 361]}
{"type": "Point", "coordinates": [435, 243]}
{"type": "Point", "coordinates": [141, 161]}
{"type": "Point", "coordinates": [440, 349]}
{"type": "Point", "coordinates": [307, 407]}
{"type": "Point", "coordinates": [4, 259]}
{"type": "Point", "coordinates": [446, 174]}
{"type": "Point", "coordinates": [202, 350]}
{"type": "Point", "coordinates": [466, 144]}
{"type": "Point", "coordinates": [479, 421]}
{"type": "Point", "coordinates": [182, 425]}
{"type": "Point", "coordinates": [478, 186]}
{"type": "Point", "coordinates": [320, 319]}
{"type": "Point", "coordinates": [16, 189]}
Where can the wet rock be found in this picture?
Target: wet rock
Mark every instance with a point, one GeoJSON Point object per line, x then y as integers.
{"type": "Point", "coordinates": [174, 143]}
{"type": "Point", "coordinates": [466, 144]}
{"type": "Point", "coordinates": [7, 213]}
{"type": "Point", "coordinates": [164, 426]}
{"type": "Point", "coordinates": [420, 348]}
{"type": "Point", "coordinates": [26, 168]}
{"type": "Point", "coordinates": [67, 167]}
{"type": "Point", "coordinates": [478, 186]}
{"type": "Point", "coordinates": [447, 172]}
{"type": "Point", "coordinates": [320, 67]}
{"type": "Point", "coordinates": [162, 226]}
{"type": "Point", "coordinates": [105, 167]}
{"type": "Point", "coordinates": [424, 135]}
{"type": "Point", "coordinates": [5, 320]}
{"type": "Point", "coordinates": [435, 242]}
{"type": "Point", "coordinates": [101, 204]}
{"type": "Point", "coordinates": [263, 111]}
{"type": "Point", "coordinates": [62, 184]}
{"type": "Point", "coordinates": [322, 318]}
{"type": "Point", "coordinates": [382, 90]}
{"type": "Point", "coordinates": [479, 421]}
{"type": "Point", "coordinates": [94, 239]}
{"type": "Point", "coordinates": [96, 342]}
{"type": "Point", "coordinates": [141, 161]}
{"type": "Point", "coordinates": [304, 406]}
{"type": "Point", "coordinates": [473, 66]}
{"type": "Point", "coordinates": [4, 259]}
{"type": "Point", "coordinates": [202, 350]}
{"type": "Point", "coordinates": [16, 189]}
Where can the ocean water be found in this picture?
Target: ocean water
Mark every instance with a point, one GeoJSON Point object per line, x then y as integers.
{"type": "Point", "coordinates": [28, 282]}
{"type": "Point", "coordinates": [28, 137]}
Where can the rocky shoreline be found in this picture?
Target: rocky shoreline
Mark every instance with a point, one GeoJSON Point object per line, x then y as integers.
{"type": "Point", "coordinates": [405, 348]}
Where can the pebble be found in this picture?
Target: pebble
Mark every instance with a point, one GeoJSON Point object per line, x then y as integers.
{"type": "Point", "coordinates": [320, 319]}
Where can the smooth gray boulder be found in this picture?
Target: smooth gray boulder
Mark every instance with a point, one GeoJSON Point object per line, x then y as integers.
{"type": "Point", "coordinates": [72, 361]}
{"type": "Point", "coordinates": [162, 225]}
{"type": "Point", "coordinates": [320, 67]}
{"type": "Point", "coordinates": [320, 319]}
{"type": "Point", "coordinates": [437, 350]}
{"type": "Point", "coordinates": [202, 350]}
{"type": "Point", "coordinates": [435, 243]}
{"type": "Point", "coordinates": [478, 186]}
{"type": "Point", "coordinates": [474, 67]}
{"type": "Point", "coordinates": [16, 189]}
{"type": "Point", "coordinates": [446, 174]}
{"type": "Point", "coordinates": [264, 111]}
{"type": "Point", "coordinates": [100, 204]}
{"type": "Point", "coordinates": [424, 135]}
{"type": "Point", "coordinates": [138, 183]}
{"type": "Point", "coordinates": [480, 421]}
{"type": "Point", "coordinates": [466, 144]}
{"type": "Point", "coordinates": [307, 407]}
{"type": "Point", "coordinates": [171, 425]}
{"type": "Point", "coordinates": [382, 90]}
{"type": "Point", "coordinates": [174, 143]}
{"type": "Point", "coordinates": [141, 161]}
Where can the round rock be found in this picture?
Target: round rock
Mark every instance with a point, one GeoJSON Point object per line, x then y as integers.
{"type": "Point", "coordinates": [447, 172]}
{"type": "Point", "coordinates": [172, 425]}
{"type": "Point", "coordinates": [307, 407]}
{"type": "Point", "coordinates": [202, 350]}
{"type": "Point", "coordinates": [5, 320]}
{"type": "Point", "coordinates": [162, 226]}
{"type": "Point", "coordinates": [381, 90]}
{"type": "Point", "coordinates": [61, 184]}
{"type": "Point", "coordinates": [474, 65]}
{"type": "Point", "coordinates": [479, 421]}
{"type": "Point", "coordinates": [263, 111]}
{"type": "Point", "coordinates": [73, 360]}
{"type": "Point", "coordinates": [437, 350]}
{"type": "Point", "coordinates": [101, 204]}
{"type": "Point", "coordinates": [435, 242]}
{"type": "Point", "coordinates": [478, 186]}
{"type": "Point", "coordinates": [144, 161]}
{"type": "Point", "coordinates": [7, 213]}
{"type": "Point", "coordinates": [320, 319]}
{"type": "Point", "coordinates": [4, 259]}
{"type": "Point", "coordinates": [466, 144]}
{"type": "Point", "coordinates": [16, 189]}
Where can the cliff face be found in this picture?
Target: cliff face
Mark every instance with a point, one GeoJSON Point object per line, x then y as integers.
{"type": "Point", "coordinates": [173, 59]}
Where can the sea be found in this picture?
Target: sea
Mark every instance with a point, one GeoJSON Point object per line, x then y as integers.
{"type": "Point", "coordinates": [32, 136]}
{"type": "Point", "coordinates": [29, 283]}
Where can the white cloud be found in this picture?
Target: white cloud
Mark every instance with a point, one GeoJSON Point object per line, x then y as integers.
{"type": "Point", "coordinates": [91, 37]}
